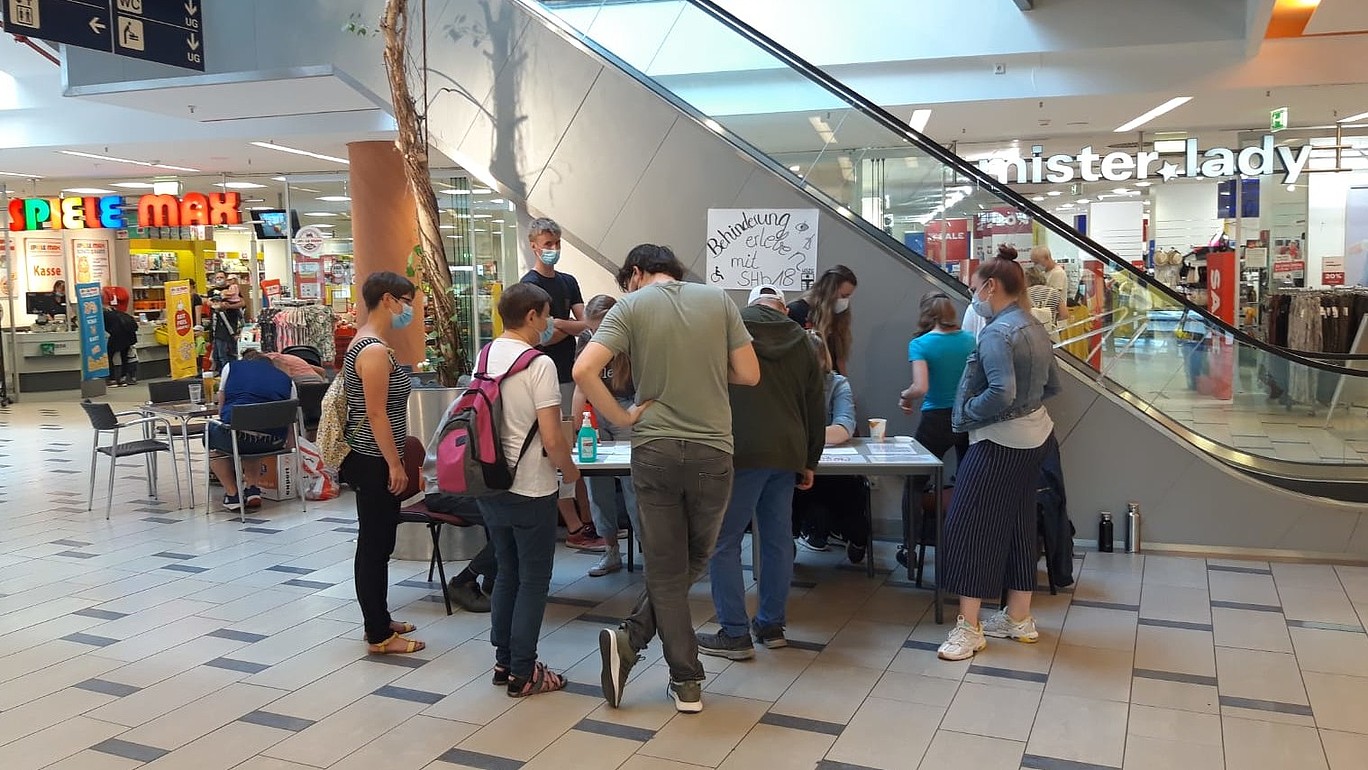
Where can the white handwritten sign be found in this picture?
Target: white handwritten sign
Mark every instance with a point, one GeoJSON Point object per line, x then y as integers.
{"type": "Point", "coordinates": [750, 247]}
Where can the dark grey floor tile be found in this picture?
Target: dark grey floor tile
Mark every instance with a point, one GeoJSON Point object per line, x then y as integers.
{"type": "Point", "coordinates": [173, 555]}
{"type": "Point", "coordinates": [1266, 705]}
{"type": "Point", "coordinates": [799, 723]}
{"type": "Point", "coordinates": [580, 688]}
{"type": "Point", "coordinates": [827, 764]}
{"type": "Point", "coordinates": [1105, 605]}
{"type": "Point", "coordinates": [92, 612]}
{"type": "Point", "coordinates": [76, 554]}
{"type": "Point", "coordinates": [337, 520]}
{"type": "Point", "coordinates": [1242, 570]}
{"type": "Point", "coordinates": [160, 520]}
{"type": "Point", "coordinates": [134, 751]}
{"type": "Point", "coordinates": [287, 569]}
{"type": "Point", "coordinates": [1009, 673]}
{"type": "Point", "coordinates": [402, 661]}
{"type": "Point", "coordinates": [245, 666]}
{"type": "Point", "coordinates": [418, 583]}
{"type": "Point", "coordinates": [1316, 624]}
{"type": "Point", "coordinates": [70, 543]}
{"type": "Point", "coordinates": [602, 620]}
{"type": "Point", "coordinates": [237, 636]}
{"type": "Point", "coordinates": [278, 721]}
{"type": "Point", "coordinates": [106, 687]}
{"type": "Point", "coordinates": [1246, 606]}
{"type": "Point", "coordinates": [348, 530]}
{"type": "Point", "coordinates": [1036, 762]}
{"type": "Point", "coordinates": [90, 639]}
{"type": "Point", "coordinates": [800, 644]}
{"type": "Point", "coordinates": [404, 693]}
{"type": "Point", "coordinates": [482, 761]}
{"type": "Point", "coordinates": [317, 585]}
{"type": "Point", "coordinates": [611, 730]}
{"type": "Point", "coordinates": [917, 644]}
{"type": "Point", "coordinates": [1184, 624]}
{"type": "Point", "coordinates": [263, 530]}
{"type": "Point", "coordinates": [1174, 676]}
{"type": "Point", "coordinates": [573, 602]}
{"type": "Point", "coordinates": [250, 520]}
{"type": "Point", "coordinates": [192, 569]}
{"type": "Point", "coordinates": [62, 470]}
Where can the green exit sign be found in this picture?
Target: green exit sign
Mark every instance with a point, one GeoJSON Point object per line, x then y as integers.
{"type": "Point", "coordinates": [1277, 119]}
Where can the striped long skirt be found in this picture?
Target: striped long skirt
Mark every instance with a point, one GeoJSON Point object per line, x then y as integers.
{"type": "Point", "coordinates": [990, 529]}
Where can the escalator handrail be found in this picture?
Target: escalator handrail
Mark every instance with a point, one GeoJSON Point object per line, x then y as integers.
{"type": "Point", "coordinates": [858, 102]}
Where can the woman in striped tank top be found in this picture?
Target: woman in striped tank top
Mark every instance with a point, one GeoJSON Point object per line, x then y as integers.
{"type": "Point", "coordinates": [377, 403]}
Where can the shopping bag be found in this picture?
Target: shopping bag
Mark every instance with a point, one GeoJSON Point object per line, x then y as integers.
{"type": "Point", "coordinates": [320, 483]}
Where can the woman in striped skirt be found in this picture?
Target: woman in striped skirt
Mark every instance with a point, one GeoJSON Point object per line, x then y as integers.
{"type": "Point", "coordinates": [990, 529]}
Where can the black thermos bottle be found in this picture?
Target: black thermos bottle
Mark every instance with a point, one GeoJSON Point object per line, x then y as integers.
{"type": "Point", "coordinates": [1104, 534]}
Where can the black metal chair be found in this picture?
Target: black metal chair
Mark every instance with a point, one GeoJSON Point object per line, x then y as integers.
{"type": "Point", "coordinates": [104, 419]}
{"type": "Point", "coordinates": [259, 418]}
{"type": "Point", "coordinates": [418, 512]}
{"type": "Point", "coordinates": [175, 392]}
{"type": "Point", "coordinates": [310, 405]}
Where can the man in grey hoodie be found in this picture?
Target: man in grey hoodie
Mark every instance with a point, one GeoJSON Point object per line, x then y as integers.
{"type": "Point", "coordinates": [779, 427]}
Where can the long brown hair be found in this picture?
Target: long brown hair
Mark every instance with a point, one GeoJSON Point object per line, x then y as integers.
{"type": "Point", "coordinates": [937, 309]}
{"type": "Point", "coordinates": [621, 379]}
{"type": "Point", "coordinates": [821, 299]}
{"type": "Point", "coordinates": [819, 349]}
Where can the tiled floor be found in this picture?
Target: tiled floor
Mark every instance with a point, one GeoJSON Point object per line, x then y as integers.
{"type": "Point", "coordinates": [171, 639]}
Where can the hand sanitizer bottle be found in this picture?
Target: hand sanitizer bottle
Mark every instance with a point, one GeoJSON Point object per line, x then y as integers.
{"type": "Point", "coordinates": [587, 441]}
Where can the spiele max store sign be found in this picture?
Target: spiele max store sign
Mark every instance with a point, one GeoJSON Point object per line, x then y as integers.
{"type": "Point", "coordinates": [1262, 160]}
{"type": "Point", "coordinates": [28, 214]}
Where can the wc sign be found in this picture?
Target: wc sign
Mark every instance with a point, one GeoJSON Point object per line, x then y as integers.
{"type": "Point", "coordinates": [1263, 159]}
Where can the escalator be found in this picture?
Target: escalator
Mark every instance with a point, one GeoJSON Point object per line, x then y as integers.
{"type": "Point", "coordinates": [593, 118]}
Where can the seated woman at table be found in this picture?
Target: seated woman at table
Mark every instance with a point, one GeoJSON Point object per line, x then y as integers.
{"type": "Point", "coordinates": [835, 505]}
{"type": "Point", "coordinates": [253, 379]}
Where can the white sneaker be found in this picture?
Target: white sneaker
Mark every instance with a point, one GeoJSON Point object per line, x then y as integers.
{"type": "Point", "coordinates": [1000, 626]}
{"type": "Point", "coordinates": [611, 561]}
{"type": "Point", "coordinates": [964, 641]}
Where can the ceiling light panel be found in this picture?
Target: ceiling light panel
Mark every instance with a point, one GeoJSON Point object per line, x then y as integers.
{"type": "Point", "coordinates": [296, 151]}
{"type": "Point", "coordinates": [1166, 107]}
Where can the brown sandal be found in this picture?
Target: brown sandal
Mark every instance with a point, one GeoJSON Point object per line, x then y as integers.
{"type": "Point", "coordinates": [400, 627]}
{"type": "Point", "coordinates": [542, 680]}
{"type": "Point", "coordinates": [410, 646]}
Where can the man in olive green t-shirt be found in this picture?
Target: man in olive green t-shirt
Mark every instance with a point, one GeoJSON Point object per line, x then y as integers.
{"type": "Point", "coordinates": [686, 342]}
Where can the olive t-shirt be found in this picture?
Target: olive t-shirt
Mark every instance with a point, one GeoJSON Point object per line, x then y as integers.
{"type": "Point", "coordinates": [678, 337]}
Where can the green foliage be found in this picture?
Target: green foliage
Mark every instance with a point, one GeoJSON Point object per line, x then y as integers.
{"type": "Point", "coordinates": [356, 27]}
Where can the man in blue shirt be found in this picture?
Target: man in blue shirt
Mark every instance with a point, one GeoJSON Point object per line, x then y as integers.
{"type": "Point", "coordinates": [253, 379]}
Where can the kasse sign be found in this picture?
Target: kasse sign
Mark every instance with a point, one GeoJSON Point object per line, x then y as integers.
{"type": "Point", "coordinates": [1089, 166]}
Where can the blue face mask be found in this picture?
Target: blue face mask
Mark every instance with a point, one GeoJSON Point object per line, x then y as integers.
{"type": "Point", "coordinates": [403, 318]}
{"type": "Point", "coordinates": [550, 256]}
{"type": "Point", "coordinates": [547, 333]}
{"type": "Point", "coordinates": [981, 306]}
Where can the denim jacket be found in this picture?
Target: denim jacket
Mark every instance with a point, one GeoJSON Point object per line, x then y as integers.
{"type": "Point", "coordinates": [1009, 374]}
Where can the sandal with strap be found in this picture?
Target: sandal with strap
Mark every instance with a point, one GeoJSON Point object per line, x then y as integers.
{"type": "Point", "coordinates": [410, 646]}
{"type": "Point", "coordinates": [542, 680]}
{"type": "Point", "coordinates": [500, 676]}
{"type": "Point", "coordinates": [400, 627]}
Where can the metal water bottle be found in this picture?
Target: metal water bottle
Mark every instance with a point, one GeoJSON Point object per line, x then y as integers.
{"type": "Point", "coordinates": [1132, 528]}
{"type": "Point", "coordinates": [1105, 533]}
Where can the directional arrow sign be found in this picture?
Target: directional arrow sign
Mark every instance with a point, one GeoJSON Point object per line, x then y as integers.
{"type": "Point", "coordinates": [82, 23]}
{"type": "Point", "coordinates": [167, 31]}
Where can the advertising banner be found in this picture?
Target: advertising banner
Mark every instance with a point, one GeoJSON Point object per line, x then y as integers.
{"type": "Point", "coordinates": [92, 262]}
{"type": "Point", "coordinates": [1223, 281]}
{"type": "Point", "coordinates": [94, 343]}
{"type": "Point", "coordinates": [46, 263]}
{"type": "Point", "coordinates": [947, 240]}
{"type": "Point", "coordinates": [180, 329]}
{"type": "Point", "coordinates": [4, 267]}
{"type": "Point", "coordinates": [748, 247]}
{"type": "Point", "coordinates": [1332, 271]}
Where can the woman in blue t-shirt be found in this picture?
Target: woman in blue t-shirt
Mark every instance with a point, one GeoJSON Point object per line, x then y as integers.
{"type": "Point", "coordinates": [938, 354]}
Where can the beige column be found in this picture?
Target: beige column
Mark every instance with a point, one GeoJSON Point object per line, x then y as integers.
{"type": "Point", "coordinates": [384, 230]}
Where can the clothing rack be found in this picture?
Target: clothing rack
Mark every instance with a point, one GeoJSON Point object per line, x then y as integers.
{"type": "Point", "coordinates": [1311, 321]}
{"type": "Point", "coordinates": [286, 324]}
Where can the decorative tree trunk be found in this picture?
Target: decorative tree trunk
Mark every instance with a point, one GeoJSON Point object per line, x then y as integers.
{"type": "Point", "coordinates": [429, 261]}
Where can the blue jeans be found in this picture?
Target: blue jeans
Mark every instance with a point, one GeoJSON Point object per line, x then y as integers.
{"type": "Point", "coordinates": [523, 532]}
{"type": "Point", "coordinates": [602, 497]}
{"type": "Point", "coordinates": [767, 495]}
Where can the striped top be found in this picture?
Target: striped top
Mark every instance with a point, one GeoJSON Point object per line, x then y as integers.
{"type": "Point", "coordinates": [358, 429]}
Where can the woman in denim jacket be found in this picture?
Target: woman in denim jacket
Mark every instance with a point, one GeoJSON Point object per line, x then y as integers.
{"type": "Point", "coordinates": [990, 530]}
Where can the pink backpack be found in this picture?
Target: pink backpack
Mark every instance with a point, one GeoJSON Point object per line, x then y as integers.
{"type": "Point", "coordinates": [469, 451]}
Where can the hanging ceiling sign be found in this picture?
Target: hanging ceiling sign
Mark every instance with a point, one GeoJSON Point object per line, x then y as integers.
{"type": "Point", "coordinates": [1264, 159]}
{"type": "Point", "coordinates": [191, 209]}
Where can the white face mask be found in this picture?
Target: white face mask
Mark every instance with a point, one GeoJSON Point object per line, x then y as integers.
{"type": "Point", "coordinates": [842, 304]}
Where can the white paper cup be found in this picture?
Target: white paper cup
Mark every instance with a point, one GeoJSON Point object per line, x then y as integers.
{"type": "Point", "coordinates": [878, 427]}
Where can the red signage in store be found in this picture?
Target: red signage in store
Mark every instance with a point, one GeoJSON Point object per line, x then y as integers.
{"type": "Point", "coordinates": [27, 214]}
{"type": "Point", "coordinates": [1223, 280]}
{"type": "Point", "coordinates": [947, 240]}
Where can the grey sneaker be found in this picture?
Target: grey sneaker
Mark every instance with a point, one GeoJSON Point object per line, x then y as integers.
{"type": "Point", "coordinates": [688, 696]}
{"type": "Point", "coordinates": [609, 563]}
{"type": "Point", "coordinates": [771, 635]}
{"type": "Point", "coordinates": [964, 641]}
{"type": "Point", "coordinates": [615, 648]}
{"type": "Point", "coordinates": [1001, 626]}
{"type": "Point", "coordinates": [723, 645]}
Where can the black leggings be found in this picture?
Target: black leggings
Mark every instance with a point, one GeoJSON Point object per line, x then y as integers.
{"type": "Point", "coordinates": [377, 515]}
{"type": "Point", "coordinates": [936, 434]}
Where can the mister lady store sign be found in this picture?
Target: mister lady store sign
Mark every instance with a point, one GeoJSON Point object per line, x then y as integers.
{"type": "Point", "coordinates": [1264, 159]}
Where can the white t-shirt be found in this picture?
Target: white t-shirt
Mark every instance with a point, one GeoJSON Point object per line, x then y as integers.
{"type": "Point", "coordinates": [1025, 432]}
{"type": "Point", "coordinates": [537, 387]}
{"type": "Point", "coordinates": [973, 322]}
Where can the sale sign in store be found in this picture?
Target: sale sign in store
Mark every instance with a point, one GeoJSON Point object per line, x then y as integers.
{"type": "Point", "coordinates": [180, 330]}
